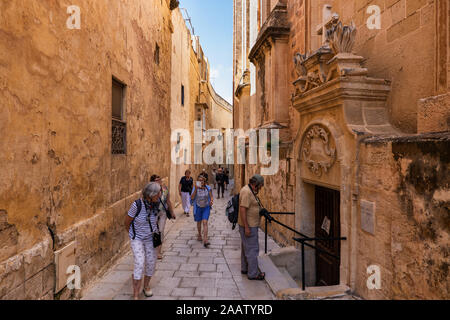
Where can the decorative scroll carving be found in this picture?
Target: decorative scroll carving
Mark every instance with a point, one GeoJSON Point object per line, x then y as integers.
{"type": "Point", "coordinates": [299, 60]}
{"type": "Point", "coordinates": [311, 69]}
{"type": "Point", "coordinates": [317, 150]}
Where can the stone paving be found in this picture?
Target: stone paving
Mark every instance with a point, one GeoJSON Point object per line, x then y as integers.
{"type": "Point", "coordinates": [188, 271]}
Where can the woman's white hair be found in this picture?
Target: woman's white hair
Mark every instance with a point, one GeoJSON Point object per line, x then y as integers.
{"type": "Point", "coordinates": [151, 190]}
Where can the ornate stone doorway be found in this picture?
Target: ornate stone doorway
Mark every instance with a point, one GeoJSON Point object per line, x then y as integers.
{"type": "Point", "coordinates": [337, 103]}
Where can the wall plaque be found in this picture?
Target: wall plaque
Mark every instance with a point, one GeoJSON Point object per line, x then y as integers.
{"type": "Point", "coordinates": [368, 216]}
{"type": "Point", "coordinates": [326, 224]}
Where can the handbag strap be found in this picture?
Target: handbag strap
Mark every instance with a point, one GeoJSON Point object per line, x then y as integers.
{"type": "Point", "coordinates": [162, 204]}
{"type": "Point", "coordinates": [165, 209]}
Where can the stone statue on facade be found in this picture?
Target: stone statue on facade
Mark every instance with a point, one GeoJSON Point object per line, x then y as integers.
{"type": "Point", "coordinates": [334, 59]}
{"type": "Point", "coordinates": [341, 39]}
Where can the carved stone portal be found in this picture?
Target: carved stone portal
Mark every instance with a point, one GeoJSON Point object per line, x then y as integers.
{"type": "Point", "coordinates": [318, 150]}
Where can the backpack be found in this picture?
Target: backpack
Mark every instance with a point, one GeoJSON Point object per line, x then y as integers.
{"type": "Point", "coordinates": [139, 208]}
{"type": "Point", "coordinates": [232, 210]}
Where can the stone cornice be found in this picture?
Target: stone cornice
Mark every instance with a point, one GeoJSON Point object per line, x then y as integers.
{"type": "Point", "coordinates": [276, 26]}
{"type": "Point", "coordinates": [363, 88]}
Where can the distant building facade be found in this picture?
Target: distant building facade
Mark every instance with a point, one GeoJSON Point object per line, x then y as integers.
{"type": "Point", "coordinates": [193, 99]}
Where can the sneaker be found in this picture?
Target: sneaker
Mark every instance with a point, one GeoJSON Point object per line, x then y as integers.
{"type": "Point", "coordinates": [148, 293]}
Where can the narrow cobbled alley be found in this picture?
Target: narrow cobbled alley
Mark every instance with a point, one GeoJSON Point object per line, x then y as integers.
{"type": "Point", "coordinates": [188, 270]}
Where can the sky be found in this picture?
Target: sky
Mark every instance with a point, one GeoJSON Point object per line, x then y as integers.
{"type": "Point", "coordinates": [212, 21]}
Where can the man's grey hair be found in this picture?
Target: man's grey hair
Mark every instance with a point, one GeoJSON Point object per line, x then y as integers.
{"type": "Point", "coordinates": [257, 180]}
{"type": "Point", "coordinates": [151, 190]}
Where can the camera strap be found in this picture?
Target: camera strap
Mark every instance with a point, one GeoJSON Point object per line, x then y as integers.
{"type": "Point", "coordinates": [149, 217]}
{"type": "Point", "coordinates": [256, 197]}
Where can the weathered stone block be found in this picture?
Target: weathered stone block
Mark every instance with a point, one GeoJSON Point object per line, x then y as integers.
{"type": "Point", "coordinates": [413, 5]}
{"type": "Point", "coordinates": [34, 286]}
{"type": "Point", "coordinates": [398, 11]}
{"type": "Point", "coordinates": [12, 274]}
{"type": "Point", "coordinates": [38, 258]}
{"type": "Point", "coordinates": [8, 242]}
{"type": "Point", "coordinates": [403, 27]}
{"type": "Point", "coordinates": [390, 3]}
{"type": "Point", "coordinates": [48, 279]}
{"type": "Point", "coordinates": [16, 294]}
{"type": "Point", "coordinates": [434, 114]}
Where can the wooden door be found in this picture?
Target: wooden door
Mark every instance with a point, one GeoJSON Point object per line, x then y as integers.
{"type": "Point", "coordinates": [327, 225]}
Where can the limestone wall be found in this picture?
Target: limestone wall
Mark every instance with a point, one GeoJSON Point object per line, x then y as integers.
{"type": "Point", "coordinates": [180, 113]}
{"type": "Point", "coordinates": [221, 111]}
{"type": "Point", "coordinates": [408, 180]}
{"type": "Point", "coordinates": [59, 181]}
{"type": "Point", "coordinates": [434, 114]}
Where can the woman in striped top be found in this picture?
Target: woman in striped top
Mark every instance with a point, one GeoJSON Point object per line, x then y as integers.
{"type": "Point", "coordinates": [139, 226]}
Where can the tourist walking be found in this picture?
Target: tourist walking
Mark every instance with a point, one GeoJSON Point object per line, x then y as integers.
{"type": "Point", "coordinates": [249, 220]}
{"type": "Point", "coordinates": [165, 210]}
{"type": "Point", "coordinates": [142, 228]}
{"type": "Point", "coordinates": [220, 179]}
{"type": "Point", "coordinates": [203, 201]}
{"type": "Point", "coordinates": [205, 175]}
{"type": "Point", "coordinates": [227, 178]}
{"type": "Point", "coordinates": [185, 189]}
{"type": "Point", "coordinates": [213, 176]}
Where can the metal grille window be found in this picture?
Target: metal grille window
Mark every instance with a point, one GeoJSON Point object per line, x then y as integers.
{"type": "Point", "coordinates": [119, 126]}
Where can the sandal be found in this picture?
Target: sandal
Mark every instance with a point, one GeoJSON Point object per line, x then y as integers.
{"type": "Point", "coordinates": [260, 276]}
{"type": "Point", "coordinates": [160, 257]}
{"type": "Point", "coordinates": [206, 244]}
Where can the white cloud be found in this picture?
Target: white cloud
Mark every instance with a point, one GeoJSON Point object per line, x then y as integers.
{"type": "Point", "coordinates": [222, 81]}
{"type": "Point", "coordinates": [214, 74]}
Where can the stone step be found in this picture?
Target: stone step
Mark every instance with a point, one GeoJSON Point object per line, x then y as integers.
{"type": "Point", "coordinates": [288, 277]}
{"type": "Point", "coordinates": [276, 280]}
{"type": "Point", "coordinates": [339, 292]}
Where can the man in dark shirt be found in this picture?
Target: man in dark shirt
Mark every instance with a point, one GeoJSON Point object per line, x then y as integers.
{"type": "Point", "coordinates": [185, 189]}
{"type": "Point", "coordinates": [227, 178]}
{"type": "Point", "coordinates": [220, 178]}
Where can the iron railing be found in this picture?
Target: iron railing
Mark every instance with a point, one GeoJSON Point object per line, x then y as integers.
{"type": "Point", "coordinates": [303, 240]}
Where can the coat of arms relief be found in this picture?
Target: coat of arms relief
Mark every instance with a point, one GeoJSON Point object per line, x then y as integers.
{"type": "Point", "coordinates": [318, 150]}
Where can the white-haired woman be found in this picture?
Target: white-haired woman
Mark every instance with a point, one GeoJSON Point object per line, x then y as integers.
{"type": "Point", "coordinates": [141, 223]}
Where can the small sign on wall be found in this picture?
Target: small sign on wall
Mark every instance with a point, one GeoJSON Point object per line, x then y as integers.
{"type": "Point", "coordinates": [326, 224]}
{"type": "Point", "coordinates": [64, 258]}
{"type": "Point", "coordinates": [368, 216]}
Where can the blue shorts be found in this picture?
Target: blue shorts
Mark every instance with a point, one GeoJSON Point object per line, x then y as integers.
{"type": "Point", "coordinates": [202, 213]}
